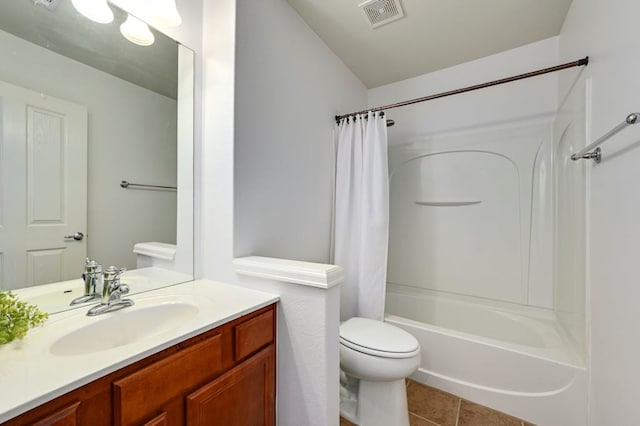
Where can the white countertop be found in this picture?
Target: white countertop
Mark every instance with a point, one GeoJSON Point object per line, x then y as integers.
{"type": "Point", "coordinates": [31, 375]}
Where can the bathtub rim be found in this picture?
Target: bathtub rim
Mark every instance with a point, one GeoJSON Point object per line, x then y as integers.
{"type": "Point", "coordinates": [493, 343]}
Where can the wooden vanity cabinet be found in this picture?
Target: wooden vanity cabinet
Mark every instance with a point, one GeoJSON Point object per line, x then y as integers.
{"type": "Point", "coordinates": [225, 377]}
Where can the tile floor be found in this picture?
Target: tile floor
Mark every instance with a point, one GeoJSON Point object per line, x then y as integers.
{"type": "Point", "coordinates": [432, 407]}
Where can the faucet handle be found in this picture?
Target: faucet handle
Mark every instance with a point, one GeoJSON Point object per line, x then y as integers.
{"type": "Point", "coordinates": [113, 273]}
{"type": "Point", "coordinates": [92, 267]}
{"type": "Point", "coordinates": [90, 276]}
{"type": "Point", "coordinates": [112, 279]}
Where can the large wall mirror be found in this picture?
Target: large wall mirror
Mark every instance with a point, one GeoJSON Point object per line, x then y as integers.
{"type": "Point", "coordinates": [81, 110]}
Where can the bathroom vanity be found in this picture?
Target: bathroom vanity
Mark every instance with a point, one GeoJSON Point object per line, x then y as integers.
{"type": "Point", "coordinates": [220, 373]}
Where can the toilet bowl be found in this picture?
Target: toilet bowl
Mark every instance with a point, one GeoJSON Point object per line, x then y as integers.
{"type": "Point", "coordinates": [381, 356]}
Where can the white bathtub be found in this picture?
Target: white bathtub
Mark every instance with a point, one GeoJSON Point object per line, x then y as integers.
{"type": "Point", "coordinates": [514, 360]}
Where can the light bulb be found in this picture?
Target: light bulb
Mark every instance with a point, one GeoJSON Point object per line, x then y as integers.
{"type": "Point", "coordinates": [96, 10]}
{"type": "Point", "coordinates": [165, 12]}
{"type": "Point", "coordinates": [137, 31]}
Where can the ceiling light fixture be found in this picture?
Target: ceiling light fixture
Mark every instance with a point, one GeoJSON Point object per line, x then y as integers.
{"type": "Point", "coordinates": [137, 31]}
{"type": "Point", "coordinates": [49, 4]}
{"type": "Point", "coordinates": [165, 12]}
{"type": "Point", "coordinates": [96, 10]}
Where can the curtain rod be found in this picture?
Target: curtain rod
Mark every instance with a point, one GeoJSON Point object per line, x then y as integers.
{"type": "Point", "coordinates": [581, 62]}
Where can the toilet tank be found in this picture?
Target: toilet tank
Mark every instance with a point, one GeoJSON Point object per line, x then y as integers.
{"type": "Point", "coordinates": [154, 254]}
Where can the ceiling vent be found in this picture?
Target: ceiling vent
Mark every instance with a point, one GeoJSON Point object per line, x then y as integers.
{"type": "Point", "coordinates": [381, 12]}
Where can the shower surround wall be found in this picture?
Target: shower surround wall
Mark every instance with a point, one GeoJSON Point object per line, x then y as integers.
{"type": "Point", "coordinates": [470, 214]}
{"type": "Point", "coordinates": [483, 181]}
{"type": "Point", "coordinates": [499, 134]}
{"type": "Point", "coordinates": [470, 270]}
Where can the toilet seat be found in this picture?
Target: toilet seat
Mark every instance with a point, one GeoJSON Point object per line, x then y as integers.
{"type": "Point", "coordinates": [377, 338]}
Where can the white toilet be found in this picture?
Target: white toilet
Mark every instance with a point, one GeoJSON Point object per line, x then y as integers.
{"type": "Point", "coordinates": [381, 356]}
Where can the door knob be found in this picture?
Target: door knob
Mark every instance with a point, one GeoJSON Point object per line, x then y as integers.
{"type": "Point", "coordinates": [78, 236]}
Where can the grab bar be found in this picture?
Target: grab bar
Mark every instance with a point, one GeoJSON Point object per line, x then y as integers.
{"type": "Point", "coordinates": [124, 184]}
{"type": "Point", "coordinates": [596, 155]}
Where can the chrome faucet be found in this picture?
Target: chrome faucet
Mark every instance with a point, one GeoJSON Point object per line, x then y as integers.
{"type": "Point", "coordinates": [93, 279]}
{"type": "Point", "coordinates": [112, 291]}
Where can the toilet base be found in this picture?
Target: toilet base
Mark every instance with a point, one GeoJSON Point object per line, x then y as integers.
{"type": "Point", "coordinates": [382, 403]}
{"type": "Point", "coordinates": [348, 397]}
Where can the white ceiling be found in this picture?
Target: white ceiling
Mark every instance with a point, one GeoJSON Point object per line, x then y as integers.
{"type": "Point", "coordinates": [433, 34]}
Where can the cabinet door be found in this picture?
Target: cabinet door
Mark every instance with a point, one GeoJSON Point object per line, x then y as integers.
{"type": "Point", "coordinates": [244, 396]}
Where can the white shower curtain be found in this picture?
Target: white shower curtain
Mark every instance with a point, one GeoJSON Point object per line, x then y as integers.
{"type": "Point", "coordinates": [361, 230]}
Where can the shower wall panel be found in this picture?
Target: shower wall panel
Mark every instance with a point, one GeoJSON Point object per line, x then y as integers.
{"type": "Point", "coordinates": [570, 206]}
{"type": "Point", "coordinates": [462, 210]}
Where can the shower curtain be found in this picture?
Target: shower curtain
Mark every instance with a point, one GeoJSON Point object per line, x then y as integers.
{"type": "Point", "coordinates": [361, 231]}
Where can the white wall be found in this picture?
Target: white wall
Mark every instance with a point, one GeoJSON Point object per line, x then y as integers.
{"type": "Point", "coordinates": [118, 149]}
{"type": "Point", "coordinates": [289, 86]}
{"type": "Point", "coordinates": [608, 32]}
{"type": "Point", "coordinates": [285, 106]}
{"type": "Point", "coordinates": [308, 334]}
{"type": "Point", "coordinates": [499, 105]}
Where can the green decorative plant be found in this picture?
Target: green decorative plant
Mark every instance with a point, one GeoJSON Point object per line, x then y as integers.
{"type": "Point", "coordinates": [16, 317]}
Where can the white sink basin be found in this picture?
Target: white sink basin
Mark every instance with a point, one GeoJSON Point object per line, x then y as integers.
{"type": "Point", "coordinates": [126, 326]}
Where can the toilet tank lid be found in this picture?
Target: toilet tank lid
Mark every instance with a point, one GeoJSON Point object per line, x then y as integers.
{"type": "Point", "coordinates": [156, 250]}
{"type": "Point", "coordinates": [377, 336]}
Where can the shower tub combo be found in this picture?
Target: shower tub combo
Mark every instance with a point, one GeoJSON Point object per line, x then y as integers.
{"type": "Point", "coordinates": [471, 272]}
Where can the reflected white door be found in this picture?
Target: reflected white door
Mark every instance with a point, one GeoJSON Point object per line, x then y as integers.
{"type": "Point", "coordinates": [43, 188]}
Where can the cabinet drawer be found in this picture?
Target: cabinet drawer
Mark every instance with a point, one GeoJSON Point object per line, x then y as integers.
{"type": "Point", "coordinates": [159, 420]}
{"type": "Point", "coordinates": [253, 334]}
{"type": "Point", "coordinates": [66, 416]}
{"type": "Point", "coordinates": [142, 394]}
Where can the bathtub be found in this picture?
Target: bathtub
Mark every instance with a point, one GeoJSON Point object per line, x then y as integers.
{"type": "Point", "coordinates": [514, 359]}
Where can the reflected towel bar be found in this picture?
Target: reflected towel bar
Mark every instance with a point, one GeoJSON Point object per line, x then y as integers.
{"type": "Point", "coordinates": [447, 203]}
{"type": "Point", "coordinates": [124, 184]}
{"type": "Point", "coordinates": [596, 154]}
